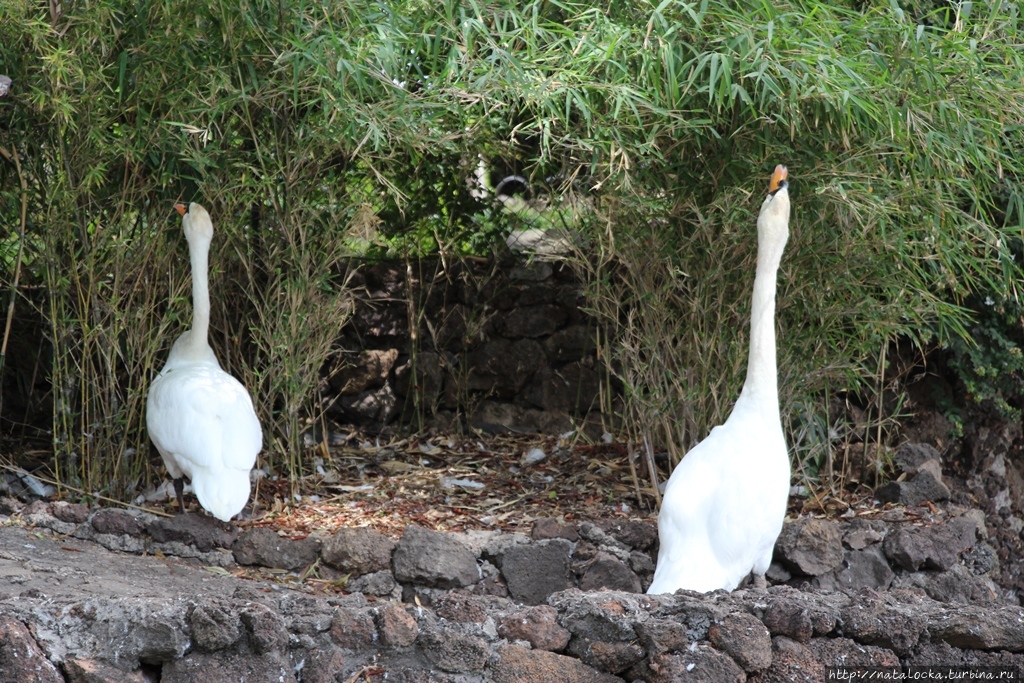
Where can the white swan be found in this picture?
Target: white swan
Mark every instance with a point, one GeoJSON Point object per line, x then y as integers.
{"type": "Point", "coordinates": [725, 502]}
{"type": "Point", "coordinates": [199, 417]}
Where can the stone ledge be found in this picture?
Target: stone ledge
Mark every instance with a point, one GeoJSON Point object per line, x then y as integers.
{"type": "Point", "coordinates": [83, 613]}
{"type": "Point", "coordinates": [943, 554]}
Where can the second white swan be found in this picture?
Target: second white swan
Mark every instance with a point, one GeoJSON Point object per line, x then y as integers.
{"type": "Point", "coordinates": [200, 418]}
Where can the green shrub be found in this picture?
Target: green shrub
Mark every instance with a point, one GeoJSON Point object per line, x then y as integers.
{"type": "Point", "coordinates": [990, 364]}
{"type": "Point", "coordinates": [310, 130]}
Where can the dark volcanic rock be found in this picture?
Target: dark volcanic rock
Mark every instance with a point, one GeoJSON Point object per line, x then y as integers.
{"type": "Point", "coordinates": [504, 366]}
{"type": "Point", "coordinates": [943, 654]}
{"type": "Point", "coordinates": [957, 585]}
{"type": "Point", "coordinates": [98, 671]}
{"type": "Point", "coordinates": [981, 628]}
{"type": "Point", "coordinates": [262, 546]}
{"type": "Point", "coordinates": [516, 664]}
{"type": "Point", "coordinates": [611, 657]}
{"type": "Point", "coordinates": [533, 572]}
{"type": "Point", "coordinates": [598, 616]}
{"type": "Point", "coordinates": [213, 627]}
{"type": "Point", "coordinates": [609, 573]}
{"type": "Point", "coordinates": [702, 664]}
{"type": "Point", "coordinates": [546, 527]}
{"type": "Point", "coordinates": [596, 535]}
{"type": "Point", "coordinates": [159, 639]}
{"type": "Point", "coordinates": [384, 323]}
{"type": "Point", "coordinates": [381, 584]}
{"type": "Point", "coordinates": [537, 271]}
{"type": "Point", "coordinates": [458, 635]}
{"type": "Point", "coordinates": [866, 568]}
{"type": "Point", "coordinates": [845, 652]}
{"type": "Point", "coordinates": [21, 659]}
{"type": "Point", "coordinates": [573, 388]}
{"type": "Point", "coordinates": [643, 565]}
{"type": "Point", "coordinates": [744, 638]}
{"type": "Point", "coordinates": [874, 622]}
{"type": "Point", "coordinates": [533, 321]}
{"type": "Point", "coordinates": [799, 617]}
{"type": "Point", "coordinates": [354, 629]}
{"type": "Point", "coordinates": [925, 484]}
{"type": "Point", "coordinates": [635, 534]}
{"type": "Point", "coordinates": [1002, 473]}
{"type": "Point", "coordinates": [434, 559]}
{"type": "Point", "coordinates": [810, 546]}
{"type": "Point", "coordinates": [534, 293]}
{"type": "Point", "coordinates": [73, 513]}
{"type": "Point", "coordinates": [791, 661]}
{"type": "Point", "coordinates": [377, 406]}
{"type": "Point", "coordinates": [910, 456]}
{"type": "Point", "coordinates": [570, 344]}
{"type": "Point", "coordinates": [934, 547]}
{"type": "Point", "coordinates": [397, 627]}
{"type": "Point", "coordinates": [323, 666]}
{"type": "Point", "coordinates": [789, 619]}
{"type": "Point", "coordinates": [454, 652]}
{"type": "Point", "coordinates": [862, 534]}
{"type": "Point", "coordinates": [198, 667]}
{"type": "Point", "coordinates": [198, 529]}
{"type": "Point", "coordinates": [358, 551]}
{"type": "Point", "coordinates": [117, 522]}
{"type": "Point", "coordinates": [265, 627]}
{"type": "Point", "coordinates": [536, 625]}
{"type": "Point", "coordinates": [426, 377]}
{"type": "Point", "coordinates": [370, 369]}
{"type": "Point", "coordinates": [662, 635]}
{"type": "Point", "coordinates": [462, 607]}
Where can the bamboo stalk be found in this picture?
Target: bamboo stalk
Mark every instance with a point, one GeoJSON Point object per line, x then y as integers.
{"type": "Point", "coordinates": [631, 456]}
{"type": "Point", "coordinates": [652, 469]}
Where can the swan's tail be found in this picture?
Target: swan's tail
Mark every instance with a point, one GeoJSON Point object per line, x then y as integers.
{"type": "Point", "coordinates": [222, 493]}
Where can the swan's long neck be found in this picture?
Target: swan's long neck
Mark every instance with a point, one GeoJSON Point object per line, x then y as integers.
{"type": "Point", "coordinates": [762, 383]}
{"type": "Point", "coordinates": [199, 255]}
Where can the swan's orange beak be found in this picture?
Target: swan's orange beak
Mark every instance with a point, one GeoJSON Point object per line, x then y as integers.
{"type": "Point", "coordinates": [180, 208]}
{"type": "Point", "coordinates": [780, 174]}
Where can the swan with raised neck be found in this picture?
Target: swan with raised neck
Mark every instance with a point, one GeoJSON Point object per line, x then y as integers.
{"type": "Point", "coordinates": [200, 418]}
{"type": "Point", "coordinates": [725, 503]}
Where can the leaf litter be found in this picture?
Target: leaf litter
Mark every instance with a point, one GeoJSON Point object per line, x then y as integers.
{"type": "Point", "coordinates": [452, 483]}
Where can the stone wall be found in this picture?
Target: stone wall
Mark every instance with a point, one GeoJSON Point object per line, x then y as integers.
{"type": "Point", "coordinates": [945, 553]}
{"type": "Point", "coordinates": [481, 607]}
{"type": "Point", "coordinates": [500, 347]}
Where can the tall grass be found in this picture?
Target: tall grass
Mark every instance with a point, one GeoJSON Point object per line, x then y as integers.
{"type": "Point", "coordinates": [294, 121]}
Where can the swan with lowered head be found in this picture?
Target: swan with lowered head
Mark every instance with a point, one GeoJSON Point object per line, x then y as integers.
{"type": "Point", "coordinates": [200, 418]}
{"type": "Point", "coordinates": [726, 500]}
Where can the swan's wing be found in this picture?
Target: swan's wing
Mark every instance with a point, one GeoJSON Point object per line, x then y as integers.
{"type": "Point", "coordinates": [203, 418]}
{"type": "Point", "coordinates": [690, 489]}
{"type": "Point", "coordinates": [723, 509]}
{"type": "Point", "coordinates": [242, 434]}
{"type": "Point", "coordinates": [686, 558]}
{"type": "Point", "coordinates": [747, 514]}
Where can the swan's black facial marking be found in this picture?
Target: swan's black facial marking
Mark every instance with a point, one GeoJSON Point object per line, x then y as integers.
{"type": "Point", "coordinates": [782, 184]}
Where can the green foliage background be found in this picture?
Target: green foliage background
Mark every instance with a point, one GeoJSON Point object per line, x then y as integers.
{"type": "Point", "coordinates": [301, 125]}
